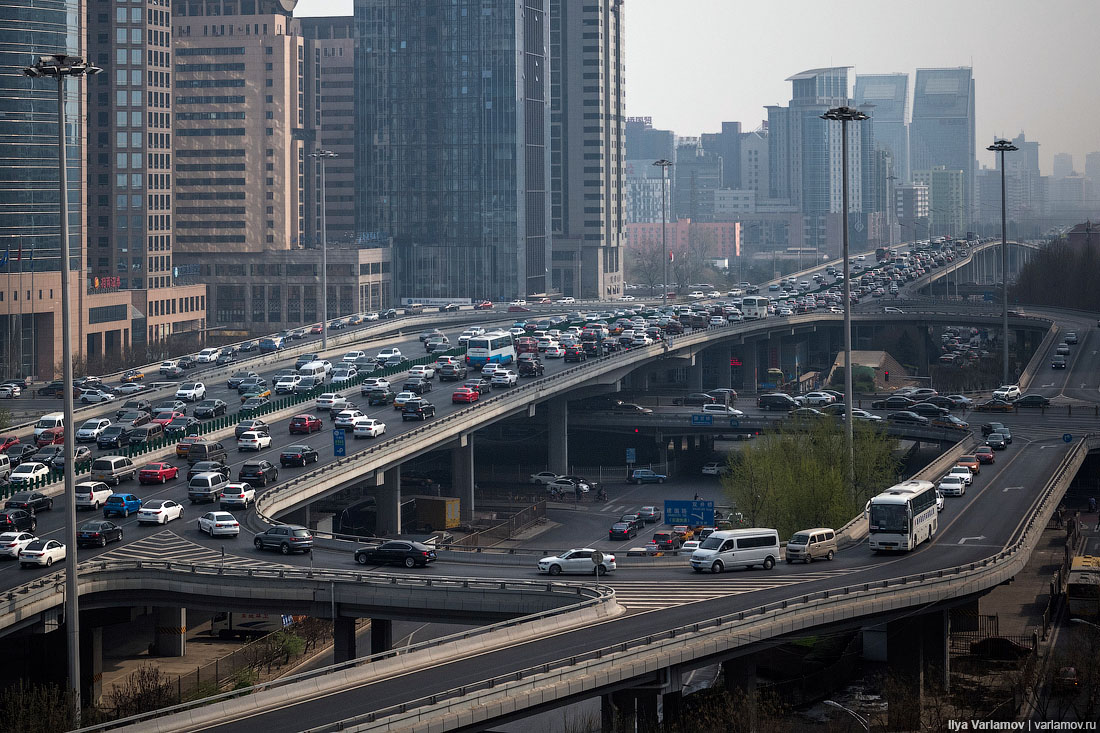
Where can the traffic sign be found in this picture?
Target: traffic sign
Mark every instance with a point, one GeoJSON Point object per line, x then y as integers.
{"type": "Point", "coordinates": [631, 455]}
{"type": "Point", "coordinates": [702, 419]}
{"type": "Point", "coordinates": [689, 512]}
{"type": "Point", "coordinates": [339, 448]}
{"type": "Point", "coordinates": [734, 422]}
{"type": "Point", "coordinates": [1067, 438]}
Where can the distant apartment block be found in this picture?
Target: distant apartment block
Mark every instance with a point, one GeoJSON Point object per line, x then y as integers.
{"type": "Point", "coordinates": [946, 200]}
{"type": "Point", "coordinates": [718, 239]}
{"type": "Point", "coordinates": [886, 99]}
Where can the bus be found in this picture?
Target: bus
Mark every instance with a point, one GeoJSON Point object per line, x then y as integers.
{"type": "Point", "coordinates": [496, 347]}
{"type": "Point", "coordinates": [753, 307]}
{"type": "Point", "coordinates": [903, 516]}
{"type": "Point", "coordinates": [1083, 588]}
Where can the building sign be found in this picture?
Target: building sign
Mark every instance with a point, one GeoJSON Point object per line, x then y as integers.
{"type": "Point", "coordinates": [436, 301]}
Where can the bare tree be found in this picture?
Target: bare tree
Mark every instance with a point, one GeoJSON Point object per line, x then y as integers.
{"type": "Point", "coordinates": [644, 264]}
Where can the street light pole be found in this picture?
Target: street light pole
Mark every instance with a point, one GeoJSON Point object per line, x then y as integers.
{"type": "Point", "coordinates": [663, 165]}
{"type": "Point", "coordinates": [320, 156]}
{"type": "Point", "coordinates": [60, 67]}
{"type": "Point", "coordinates": [1002, 147]}
{"type": "Point", "coordinates": [846, 115]}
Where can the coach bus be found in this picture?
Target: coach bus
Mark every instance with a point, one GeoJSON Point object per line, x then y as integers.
{"type": "Point", "coordinates": [495, 348]}
{"type": "Point", "coordinates": [903, 516]}
{"type": "Point", "coordinates": [754, 307]}
{"type": "Point", "coordinates": [1083, 587]}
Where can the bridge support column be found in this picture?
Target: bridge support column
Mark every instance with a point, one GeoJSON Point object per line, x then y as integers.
{"type": "Point", "coordinates": [725, 371]}
{"type": "Point", "coordinates": [695, 373]}
{"type": "Point", "coordinates": [750, 372]}
{"type": "Point", "coordinates": [936, 633]}
{"type": "Point", "coordinates": [171, 631]}
{"type": "Point", "coordinates": [389, 503]}
{"type": "Point", "coordinates": [739, 677]}
{"type": "Point", "coordinates": [639, 380]}
{"type": "Point", "coordinates": [91, 664]}
{"type": "Point", "coordinates": [343, 639]}
{"type": "Point", "coordinates": [918, 659]}
{"type": "Point", "coordinates": [462, 476]}
{"type": "Point", "coordinates": [557, 458]}
{"type": "Point", "coordinates": [672, 707]}
{"type": "Point", "coordinates": [381, 635]}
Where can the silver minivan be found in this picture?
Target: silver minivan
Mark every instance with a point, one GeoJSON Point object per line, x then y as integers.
{"type": "Point", "coordinates": [206, 487]}
{"type": "Point", "coordinates": [811, 544]}
{"type": "Point", "coordinates": [737, 547]}
{"type": "Point", "coordinates": [113, 470]}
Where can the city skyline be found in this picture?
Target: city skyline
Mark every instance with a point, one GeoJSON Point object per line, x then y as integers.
{"type": "Point", "coordinates": [1014, 88]}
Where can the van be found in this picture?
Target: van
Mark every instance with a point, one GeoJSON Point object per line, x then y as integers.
{"type": "Point", "coordinates": [206, 487]}
{"type": "Point", "coordinates": [414, 309]}
{"type": "Point", "coordinates": [738, 547]}
{"type": "Point", "coordinates": [113, 470]}
{"type": "Point", "coordinates": [776, 401]}
{"type": "Point", "coordinates": [147, 433]}
{"type": "Point", "coordinates": [319, 369]}
{"type": "Point", "coordinates": [207, 356]}
{"type": "Point", "coordinates": [5, 466]}
{"type": "Point", "coordinates": [205, 451]}
{"type": "Point", "coordinates": [52, 420]}
{"type": "Point", "coordinates": [811, 544]}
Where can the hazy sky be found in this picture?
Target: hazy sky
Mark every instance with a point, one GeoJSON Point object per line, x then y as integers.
{"type": "Point", "coordinates": [690, 64]}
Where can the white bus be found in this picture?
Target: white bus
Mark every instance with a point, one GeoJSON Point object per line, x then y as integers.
{"type": "Point", "coordinates": [903, 516]}
{"type": "Point", "coordinates": [754, 306]}
{"type": "Point", "coordinates": [496, 347]}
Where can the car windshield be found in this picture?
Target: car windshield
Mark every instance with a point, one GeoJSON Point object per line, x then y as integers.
{"type": "Point", "coordinates": [710, 543]}
{"type": "Point", "coordinates": [800, 539]}
{"type": "Point", "coordinates": [889, 518]}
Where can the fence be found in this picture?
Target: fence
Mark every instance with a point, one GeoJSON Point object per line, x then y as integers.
{"type": "Point", "coordinates": [506, 529]}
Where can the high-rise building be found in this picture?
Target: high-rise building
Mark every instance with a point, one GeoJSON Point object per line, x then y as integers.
{"type": "Point", "coordinates": [911, 205]}
{"type": "Point", "coordinates": [644, 142]}
{"type": "Point", "coordinates": [1026, 159]}
{"type": "Point", "coordinates": [886, 98]}
{"type": "Point", "coordinates": [642, 189]}
{"type": "Point", "coordinates": [1063, 165]}
{"type": "Point", "coordinates": [727, 145]}
{"type": "Point", "coordinates": [453, 143]}
{"type": "Point", "coordinates": [942, 131]}
{"type": "Point", "coordinates": [946, 200]}
{"type": "Point", "coordinates": [754, 161]}
{"type": "Point", "coordinates": [1092, 166]}
{"type": "Point", "coordinates": [587, 127]}
{"type": "Point", "coordinates": [697, 175]}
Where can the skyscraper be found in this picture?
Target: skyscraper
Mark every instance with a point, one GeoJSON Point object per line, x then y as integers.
{"type": "Point", "coordinates": [698, 174]}
{"type": "Point", "coordinates": [727, 145]}
{"type": "Point", "coordinates": [1063, 165]}
{"type": "Point", "coordinates": [453, 143]}
{"type": "Point", "coordinates": [587, 128]}
{"type": "Point", "coordinates": [942, 132]}
{"type": "Point", "coordinates": [889, 95]}
{"type": "Point", "coordinates": [946, 200]}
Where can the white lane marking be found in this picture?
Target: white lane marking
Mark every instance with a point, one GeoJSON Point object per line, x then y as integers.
{"type": "Point", "coordinates": [964, 540]}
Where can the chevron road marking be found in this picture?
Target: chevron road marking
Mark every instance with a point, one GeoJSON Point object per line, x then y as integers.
{"type": "Point", "coordinates": [167, 546]}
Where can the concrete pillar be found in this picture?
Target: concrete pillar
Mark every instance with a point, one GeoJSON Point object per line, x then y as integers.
{"type": "Point", "coordinates": [607, 714]}
{"type": "Point", "coordinates": [343, 639]}
{"type": "Point", "coordinates": [904, 652]}
{"type": "Point", "coordinates": [662, 453]}
{"type": "Point", "coordinates": [624, 703]}
{"type": "Point", "coordinates": [91, 664]}
{"type": "Point", "coordinates": [389, 503]}
{"type": "Point", "coordinates": [695, 373]}
{"type": "Point", "coordinates": [171, 631]}
{"type": "Point", "coordinates": [672, 707]}
{"type": "Point", "coordinates": [935, 632]}
{"type": "Point", "coordinates": [462, 476]}
{"type": "Point", "coordinates": [725, 371]}
{"type": "Point", "coordinates": [646, 700]}
{"type": "Point", "coordinates": [557, 458]}
{"type": "Point", "coordinates": [298, 516]}
{"type": "Point", "coordinates": [739, 676]}
{"type": "Point", "coordinates": [639, 380]}
{"type": "Point", "coordinates": [381, 635]}
{"type": "Point", "coordinates": [751, 369]}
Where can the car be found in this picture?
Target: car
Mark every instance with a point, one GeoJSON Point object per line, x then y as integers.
{"type": "Point", "coordinates": [210, 408]}
{"type": "Point", "coordinates": [130, 388]}
{"type": "Point", "coordinates": [401, 398]}
{"type": "Point", "coordinates": [622, 531]}
{"type": "Point", "coordinates": [928, 409]}
{"type": "Point", "coordinates": [91, 429]}
{"type": "Point", "coordinates": [10, 391]}
{"type": "Point", "coordinates": [345, 419]}
{"type": "Point", "coordinates": [1071, 337]}
{"type": "Point", "coordinates": [219, 524]}
{"type": "Point", "coordinates": [298, 455]}
{"type": "Point", "coordinates": [949, 421]}
{"type": "Point", "coordinates": [1007, 392]}
{"type": "Point", "coordinates": [121, 504]}
{"type": "Point", "coordinates": [245, 426]}
{"type": "Point", "coordinates": [396, 552]}
{"type": "Point", "coordinates": [157, 473]}
{"type": "Point", "coordinates": [254, 393]}
{"type": "Point", "coordinates": [1003, 430]}
{"type": "Point", "coordinates": [91, 494]}
{"type": "Point", "coordinates": [32, 472]}
{"type": "Point", "coordinates": [715, 468]}
{"type": "Point", "coordinates": [465, 394]}
{"type": "Point", "coordinates": [50, 436]}
{"type": "Point", "coordinates": [666, 540]}
{"type": "Point", "coordinates": [577, 560]}
{"type": "Point", "coordinates": [1065, 681]}
{"type": "Point", "coordinates": [31, 501]}
{"type": "Point", "coordinates": [984, 454]}
{"type": "Point", "coordinates": [181, 426]}
{"type": "Point", "coordinates": [12, 520]}
{"type": "Point", "coordinates": [191, 392]}
{"type": "Point", "coordinates": [816, 399]}
{"type": "Point", "coordinates": [12, 542]}
{"type": "Point", "coordinates": [483, 305]}
{"type": "Point", "coordinates": [646, 476]}
{"type": "Point", "coordinates": [962, 472]}
{"type": "Point", "coordinates": [417, 409]}
{"type": "Point", "coordinates": [1058, 362]}
{"type": "Point", "coordinates": [971, 462]}
{"type": "Point", "coordinates": [504, 378]}
{"type": "Point", "coordinates": [208, 467]}
{"type": "Point", "coordinates": [159, 511]}
{"type": "Point", "coordinates": [1062, 350]}
{"type": "Point", "coordinates": [721, 410]}
{"type": "Point", "coordinates": [20, 453]}
{"type": "Point", "coordinates": [1032, 400]}
{"type": "Point", "coordinates": [425, 371]}
{"type": "Point", "coordinates": [7, 441]}
{"type": "Point", "coordinates": [995, 406]}
{"type": "Point", "coordinates": [254, 404]}
{"type": "Point", "coordinates": [649, 514]}
{"type": "Point", "coordinates": [254, 440]}
{"type": "Point", "coordinates": [893, 402]}
{"type": "Point", "coordinates": [952, 486]}
{"type": "Point", "coordinates": [530, 368]}
{"type": "Point", "coordinates": [237, 494]}
{"type": "Point", "coordinates": [543, 477]}
{"type": "Point", "coordinates": [569, 485]}
{"type": "Point", "coordinates": [417, 385]}
{"type": "Point", "coordinates": [906, 416]}
{"type": "Point", "coordinates": [237, 378]}
{"type": "Point", "coordinates": [258, 473]}
{"type": "Point", "coordinates": [286, 538]}
{"type": "Point", "coordinates": [574, 353]}
{"type": "Point", "coordinates": [695, 399]}
{"type": "Point", "coordinates": [43, 553]}
{"type": "Point", "coordinates": [91, 396]}
{"type": "Point", "coordinates": [367, 427]}
{"type": "Point", "coordinates": [304, 424]}
{"type": "Point", "coordinates": [996, 441]}
{"type": "Point", "coordinates": [480, 384]}
{"type": "Point", "coordinates": [166, 416]}
{"type": "Point", "coordinates": [327, 400]}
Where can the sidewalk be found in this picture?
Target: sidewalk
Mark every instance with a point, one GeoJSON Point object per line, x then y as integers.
{"type": "Point", "coordinates": [1019, 605]}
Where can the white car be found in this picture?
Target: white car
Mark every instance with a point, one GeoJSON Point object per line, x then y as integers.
{"type": "Point", "coordinates": [1007, 392]}
{"type": "Point", "coordinates": [342, 375]}
{"type": "Point", "coordinates": [219, 524]}
{"type": "Point", "coordinates": [368, 427]}
{"type": "Point", "coordinates": [42, 553]}
{"type": "Point", "coordinates": [351, 356]}
{"type": "Point", "coordinates": [491, 367]}
{"type": "Point", "coordinates": [388, 353]}
{"type": "Point", "coordinates": [130, 388]}
{"type": "Point", "coordinates": [159, 511]}
{"type": "Point", "coordinates": [816, 399]}
{"type": "Point", "coordinates": [207, 356]}
{"type": "Point", "coordinates": [427, 371]}
{"type": "Point", "coordinates": [714, 468]}
{"type": "Point", "coordinates": [11, 543]}
{"type": "Point", "coordinates": [625, 298]}
{"type": "Point", "coordinates": [254, 440]}
{"type": "Point", "coordinates": [91, 429]}
{"type": "Point", "coordinates": [375, 383]}
{"type": "Point", "coordinates": [570, 299]}
{"type": "Point", "coordinates": [286, 384]}
{"type": "Point", "coordinates": [858, 414]}
{"type": "Point", "coordinates": [555, 351]}
{"type": "Point", "coordinates": [91, 494]}
{"type": "Point", "coordinates": [952, 486]}
{"type": "Point", "coordinates": [696, 295]}
{"type": "Point", "coordinates": [29, 473]}
{"type": "Point", "coordinates": [327, 400]}
{"type": "Point", "coordinates": [543, 477]}
{"type": "Point", "coordinates": [504, 378]}
{"type": "Point", "coordinates": [191, 391]}
{"type": "Point", "coordinates": [518, 302]}
{"type": "Point", "coordinates": [939, 502]}
{"type": "Point", "coordinates": [89, 396]}
{"type": "Point", "coordinates": [372, 316]}
{"type": "Point", "coordinates": [10, 391]}
{"type": "Point", "coordinates": [578, 560]}
{"type": "Point", "coordinates": [345, 419]}
{"type": "Point", "coordinates": [568, 486]}
{"type": "Point", "coordinates": [238, 494]}
{"type": "Point", "coordinates": [690, 546]}
{"type": "Point", "coordinates": [962, 472]}
{"type": "Point", "coordinates": [722, 410]}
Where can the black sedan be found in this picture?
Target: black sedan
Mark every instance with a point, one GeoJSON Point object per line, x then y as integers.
{"type": "Point", "coordinates": [298, 455]}
{"type": "Point", "coordinates": [481, 385]}
{"type": "Point", "coordinates": [928, 409]}
{"type": "Point", "coordinates": [941, 401]}
{"type": "Point", "coordinates": [97, 533]}
{"type": "Point", "coordinates": [19, 453]}
{"type": "Point", "coordinates": [906, 416]}
{"type": "Point", "coordinates": [1032, 400]}
{"type": "Point", "coordinates": [258, 473]}
{"type": "Point", "coordinates": [180, 427]}
{"type": "Point", "coordinates": [208, 467]}
{"type": "Point", "coordinates": [419, 385]}
{"type": "Point", "coordinates": [894, 402]}
{"type": "Point", "coordinates": [696, 399]}
{"type": "Point", "coordinates": [210, 408]}
{"type": "Point", "coordinates": [14, 520]}
{"type": "Point", "coordinates": [397, 552]}
{"type": "Point", "coordinates": [32, 501]}
{"type": "Point", "coordinates": [622, 531]}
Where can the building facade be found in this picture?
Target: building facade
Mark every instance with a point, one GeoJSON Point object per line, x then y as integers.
{"type": "Point", "coordinates": [587, 129]}
{"type": "Point", "coordinates": [885, 97]}
{"type": "Point", "coordinates": [727, 146]}
{"type": "Point", "coordinates": [946, 200]}
{"type": "Point", "coordinates": [1063, 165]}
{"type": "Point", "coordinates": [718, 240]}
{"type": "Point", "coordinates": [754, 161]}
{"type": "Point", "coordinates": [942, 131]}
{"type": "Point", "coordinates": [642, 190]}
{"type": "Point", "coordinates": [453, 144]}
{"type": "Point", "coordinates": [697, 175]}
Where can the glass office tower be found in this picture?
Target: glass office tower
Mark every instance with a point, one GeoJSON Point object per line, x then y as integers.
{"type": "Point", "coordinates": [942, 132]}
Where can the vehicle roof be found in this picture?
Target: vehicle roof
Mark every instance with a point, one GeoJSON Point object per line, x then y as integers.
{"type": "Point", "coordinates": [729, 533]}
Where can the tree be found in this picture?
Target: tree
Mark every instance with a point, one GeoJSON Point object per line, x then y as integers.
{"type": "Point", "coordinates": [644, 264]}
{"type": "Point", "coordinates": [5, 418]}
{"type": "Point", "coordinates": [37, 708]}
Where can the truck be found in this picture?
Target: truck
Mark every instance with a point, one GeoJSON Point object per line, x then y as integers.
{"type": "Point", "coordinates": [437, 512]}
{"type": "Point", "coordinates": [881, 253]}
{"type": "Point", "coordinates": [227, 625]}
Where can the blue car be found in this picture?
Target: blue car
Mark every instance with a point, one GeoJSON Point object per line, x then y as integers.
{"type": "Point", "coordinates": [121, 504]}
{"type": "Point", "coordinates": [646, 476]}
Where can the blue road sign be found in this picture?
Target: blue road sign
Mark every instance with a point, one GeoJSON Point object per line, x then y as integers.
{"type": "Point", "coordinates": [988, 297]}
{"type": "Point", "coordinates": [339, 448]}
{"type": "Point", "coordinates": [1067, 438]}
{"type": "Point", "coordinates": [631, 455]}
{"type": "Point", "coordinates": [734, 422]}
{"type": "Point", "coordinates": [689, 512]}
{"type": "Point", "coordinates": [702, 419]}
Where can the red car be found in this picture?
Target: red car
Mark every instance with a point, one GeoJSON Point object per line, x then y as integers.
{"type": "Point", "coordinates": [465, 394]}
{"type": "Point", "coordinates": [316, 329]}
{"type": "Point", "coordinates": [50, 436]}
{"type": "Point", "coordinates": [484, 305]}
{"type": "Point", "coordinates": [984, 454]}
{"type": "Point", "coordinates": [166, 417]}
{"type": "Point", "coordinates": [305, 424]}
{"type": "Point", "coordinates": [7, 441]}
{"type": "Point", "coordinates": [518, 309]}
{"type": "Point", "coordinates": [157, 473]}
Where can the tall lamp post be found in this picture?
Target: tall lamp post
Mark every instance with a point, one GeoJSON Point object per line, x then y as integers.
{"type": "Point", "coordinates": [663, 165]}
{"type": "Point", "coordinates": [321, 156]}
{"type": "Point", "coordinates": [60, 67]}
{"type": "Point", "coordinates": [1002, 147]}
{"type": "Point", "coordinates": [845, 115]}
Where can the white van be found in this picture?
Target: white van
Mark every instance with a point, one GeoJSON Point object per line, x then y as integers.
{"type": "Point", "coordinates": [811, 544]}
{"type": "Point", "coordinates": [319, 369]}
{"type": "Point", "coordinates": [52, 420]}
{"type": "Point", "coordinates": [5, 466]}
{"type": "Point", "coordinates": [737, 547]}
{"type": "Point", "coordinates": [208, 355]}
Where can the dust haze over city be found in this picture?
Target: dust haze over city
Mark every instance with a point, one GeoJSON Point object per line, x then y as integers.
{"type": "Point", "coordinates": [633, 366]}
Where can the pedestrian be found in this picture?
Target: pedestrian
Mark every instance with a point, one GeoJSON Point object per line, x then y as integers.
{"type": "Point", "coordinates": [696, 497]}
{"type": "Point", "coordinates": [1092, 504]}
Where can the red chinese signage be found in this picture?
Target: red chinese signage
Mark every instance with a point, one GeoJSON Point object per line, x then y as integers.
{"type": "Point", "coordinates": [107, 281]}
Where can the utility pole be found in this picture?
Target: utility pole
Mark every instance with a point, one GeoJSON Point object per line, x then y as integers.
{"type": "Point", "coordinates": [1002, 147]}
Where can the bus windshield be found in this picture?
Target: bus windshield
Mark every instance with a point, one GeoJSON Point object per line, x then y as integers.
{"type": "Point", "coordinates": [889, 518]}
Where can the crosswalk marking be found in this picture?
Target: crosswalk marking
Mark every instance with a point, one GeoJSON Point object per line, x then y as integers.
{"type": "Point", "coordinates": [167, 546]}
